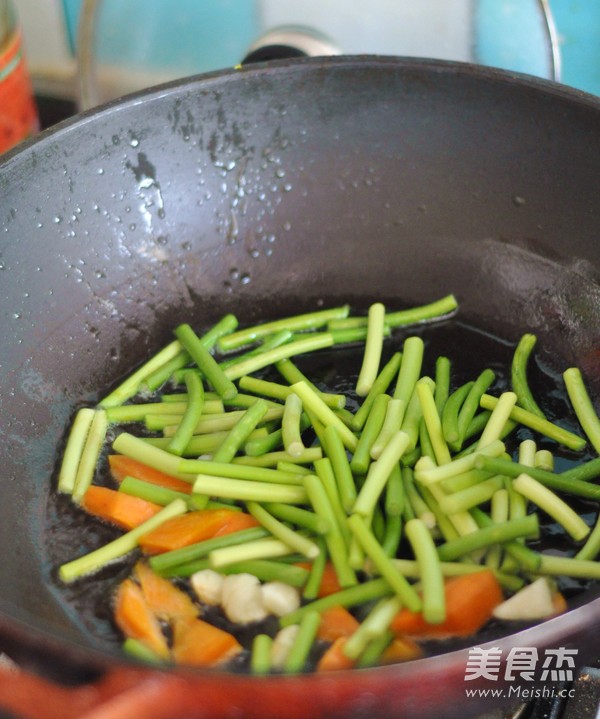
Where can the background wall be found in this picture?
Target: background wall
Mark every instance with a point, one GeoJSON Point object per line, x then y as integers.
{"type": "Point", "coordinates": [209, 35]}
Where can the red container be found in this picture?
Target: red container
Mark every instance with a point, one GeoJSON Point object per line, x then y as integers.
{"type": "Point", "coordinates": [18, 114]}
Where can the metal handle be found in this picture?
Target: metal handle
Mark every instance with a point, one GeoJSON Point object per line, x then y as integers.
{"type": "Point", "coordinates": [290, 41]}
{"type": "Point", "coordinates": [555, 58]}
{"type": "Point", "coordinates": [87, 86]}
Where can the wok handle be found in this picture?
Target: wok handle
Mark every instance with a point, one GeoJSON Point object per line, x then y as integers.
{"type": "Point", "coordinates": [123, 693]}
{"type": "Point", "coordinates": [288, 41]}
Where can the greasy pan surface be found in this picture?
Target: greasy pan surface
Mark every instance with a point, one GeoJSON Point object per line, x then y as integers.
{"type": "Point", "coordinates": [268, 191]}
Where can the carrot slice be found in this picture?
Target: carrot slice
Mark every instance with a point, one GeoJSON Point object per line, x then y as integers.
{"type": "Point", "coordinates": [329, 582]}
{"type": "Point", "coordinates": [122, 466]}
{"type": "Point", "coordinates": [136, 620]}
{"type": "Point", "coordinates": [470, 600]}
{"type": "Point", "coordinates": [559, 603]}
{"type": "Point", "coordinates": [336, 622]}
{"type": "Point", "coordinates": [118, 508]}
{"type": "Point", "coordinates": [401, 649]}
{"type": "Point", "coordinates": [194, 527]}
{"type": "Point", "coordinates": [334, 658]}
{"type": "Point", "coordinates": [199, 643]}
{"type": "Point", "coordinates": [236, 522]}
{"type": "Point", "coordinates": [165, 600]}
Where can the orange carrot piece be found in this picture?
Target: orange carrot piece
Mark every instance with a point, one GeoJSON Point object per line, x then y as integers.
{"type": "Point", "coordinates": [470, 600]}
{"type": "Point", "coordinates": [191, 528]}
{"type": "Point", "coordinates": [201, 644]}
{"type": "Point", "coordinates": [401, 649]}
{"type": "Point", "coordinates": [559, 603]}
{"type": "Point", "coordinates": [118, 508]}
{"type": "Point", "coordinates": [336, 622]}
{"type": "Point", "coordinates": [236, 522]}
{"type": "Point", "coordinates": [165, 600]}
{"type": "Point", "coordinates": [136, 620]}
{"type": "Point", "coordinates": [329, 582]}
{"type": "Point", "coordinates": [122, 466]}
{"type": "Point", "coordinates": [334, 658]}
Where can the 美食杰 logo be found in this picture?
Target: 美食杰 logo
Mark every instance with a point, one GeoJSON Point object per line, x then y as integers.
{"type": "Point", "coordinates": [529, 672]}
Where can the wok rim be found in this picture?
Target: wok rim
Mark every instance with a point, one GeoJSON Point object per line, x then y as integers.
{"type": "Point", "coordinates": [546, 633]}
{"type": "Point", "coordinates": [565, 627]}
{"type": "Point", "coordinates": [217, 77]}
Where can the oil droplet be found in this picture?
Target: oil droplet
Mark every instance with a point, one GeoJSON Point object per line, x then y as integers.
{"type": "Point", "coordinates": [245, 279]}
{"type": "Point", "coordinates": [100, 171]}
{"type": "Point", "coordinates": [57, 219]}
{"type": "Point", "coordinates": [518, 200]}
{"type": "Point", "coordinates": [234, 273]}
{"type": "Point", "coordinates": [254, 253]}
{"type": "Point", "coordinates": [232, 229]}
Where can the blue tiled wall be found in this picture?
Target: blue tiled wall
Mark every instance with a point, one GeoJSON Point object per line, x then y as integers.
{"type": "Point", "coordinates": [236, 23]}
{"type": "Point", "coordinates": [578, 25]}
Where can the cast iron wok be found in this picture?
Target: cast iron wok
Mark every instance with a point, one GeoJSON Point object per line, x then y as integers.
{"type": "Point", "coordinates": [264, 191]}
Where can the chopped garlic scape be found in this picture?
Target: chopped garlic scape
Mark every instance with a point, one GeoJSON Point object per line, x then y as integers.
{"type": "Point", "coordinates": [282, 645]}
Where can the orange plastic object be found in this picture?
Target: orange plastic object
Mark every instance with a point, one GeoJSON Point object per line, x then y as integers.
{"type": "Point", "coordinates": [18, 114]}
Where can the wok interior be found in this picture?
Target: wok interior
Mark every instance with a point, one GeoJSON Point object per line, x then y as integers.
{"type": "Point", "coordinates": [267, 192]}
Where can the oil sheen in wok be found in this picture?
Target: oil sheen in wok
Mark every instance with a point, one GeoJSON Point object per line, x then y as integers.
{"type": "Point", "coordinates": [470, 351]}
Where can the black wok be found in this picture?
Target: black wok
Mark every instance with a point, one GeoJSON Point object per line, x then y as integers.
{"type": "Point", "coordinates": [266, 191]}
